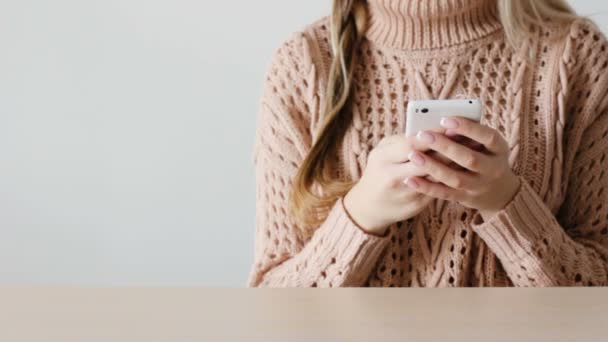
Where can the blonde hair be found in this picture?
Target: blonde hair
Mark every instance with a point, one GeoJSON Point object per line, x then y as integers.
{"type": "Point", "coordinates": [348, 25]}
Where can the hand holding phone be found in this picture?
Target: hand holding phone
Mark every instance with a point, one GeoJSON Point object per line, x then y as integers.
{"type": "Point", "coordinates": [423, 115]}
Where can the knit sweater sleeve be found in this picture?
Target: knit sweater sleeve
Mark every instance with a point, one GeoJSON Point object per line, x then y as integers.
{"type": "Point", "coordinates": [339, 253]}
{"type": "Point", "coordinates": [536, 247]}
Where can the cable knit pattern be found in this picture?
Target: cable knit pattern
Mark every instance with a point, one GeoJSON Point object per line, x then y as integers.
{"type": "Point", "coordinates": [552, 109]}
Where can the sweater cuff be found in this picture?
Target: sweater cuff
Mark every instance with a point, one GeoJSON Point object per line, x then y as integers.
{"type": "Point", "coordinates": [517, 232]}
{"type": "Point", "coordinates": [345, 244]}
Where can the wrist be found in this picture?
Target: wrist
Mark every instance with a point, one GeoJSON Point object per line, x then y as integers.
{"type": "Point", "coordinates": [513, 185]}
{"type": "Point", "coordinates": [486, 215]}
{"type": "Point", "coordinates": [351, 205]}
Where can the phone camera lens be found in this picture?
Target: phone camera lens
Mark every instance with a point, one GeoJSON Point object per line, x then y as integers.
{"type": "Point", "coordinates": [425, 110]}
{"type": "Point", "coordinates": [471, 102]}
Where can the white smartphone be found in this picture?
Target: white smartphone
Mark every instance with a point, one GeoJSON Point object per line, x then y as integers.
{"type": "Point", "coordinates": [425, 115]}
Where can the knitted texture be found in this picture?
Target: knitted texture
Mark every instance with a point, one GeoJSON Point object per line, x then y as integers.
{"type": "Point", "coordinates": [552, 108]}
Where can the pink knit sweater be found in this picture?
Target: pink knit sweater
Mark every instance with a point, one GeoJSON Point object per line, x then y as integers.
{"type": "Point", "coordinates": [553, 110]}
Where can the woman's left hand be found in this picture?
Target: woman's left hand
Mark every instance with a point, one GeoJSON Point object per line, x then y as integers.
{"type": "Point", "coordinates": [486, 183]}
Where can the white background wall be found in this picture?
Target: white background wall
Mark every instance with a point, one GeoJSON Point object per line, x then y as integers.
{"type": "Point", "coordinates": [125, 136]}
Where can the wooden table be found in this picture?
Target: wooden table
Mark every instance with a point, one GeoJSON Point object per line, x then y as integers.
{"type": "Point", "coordinates": [199, 314]}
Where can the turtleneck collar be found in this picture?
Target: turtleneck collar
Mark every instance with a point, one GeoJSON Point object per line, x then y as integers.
{"type": "Point", "coordinates": [430, 24]}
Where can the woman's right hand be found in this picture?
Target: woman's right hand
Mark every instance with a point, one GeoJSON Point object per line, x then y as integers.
{"type": "Point", "coordinates": [381, 197]}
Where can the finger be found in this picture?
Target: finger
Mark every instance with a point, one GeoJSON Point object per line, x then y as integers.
{"type": "Point", "coordinates": [441, 172]}
{"type": "Point", "coordinates": [472, 144]}
{"type": "Point", "coordinates": [438, 157]}
{"type": "Point", "coordinates": [452, 134]}
{"type": "Point", "coordinates": [402, 171]}
{"type": "Point", "coordinates": [443, 159]}
{"type": "Point", "coordinates": [436, 190]}
{"type": "Point", "coordinates": [397, 149]}
{"type": "Point", "coordinates": [487, 136]}
{"type": "Point", "coordinates": [460, 154]}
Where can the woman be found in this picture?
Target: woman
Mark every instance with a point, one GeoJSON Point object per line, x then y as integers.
{"type": "Point", "coordinates": [344, 199]}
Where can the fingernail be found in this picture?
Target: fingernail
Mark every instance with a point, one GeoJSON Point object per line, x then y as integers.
{"type": "Point", "coordinates": [411, 183]}
{"type": "Point", "coordinates": [425, 137]}
{"type": "Point", "coordinates": [449, 123]}
{"type": "Point", "coordinates": [416, 158]}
